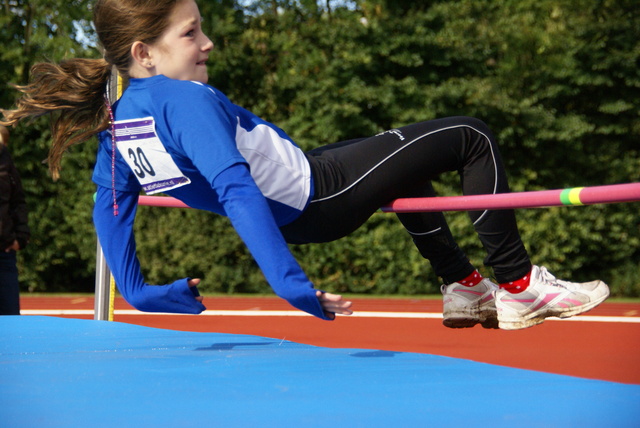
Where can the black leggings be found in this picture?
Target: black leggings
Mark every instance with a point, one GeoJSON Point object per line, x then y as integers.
{"type": "Point", "coordinates": [353, 179]}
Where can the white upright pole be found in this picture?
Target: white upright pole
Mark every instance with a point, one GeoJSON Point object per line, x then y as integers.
{"type": "Point", "coordinates": [103, 282]}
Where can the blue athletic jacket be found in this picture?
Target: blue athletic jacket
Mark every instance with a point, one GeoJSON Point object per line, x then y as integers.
{"type": "Point", "coordinates": [187, 140]}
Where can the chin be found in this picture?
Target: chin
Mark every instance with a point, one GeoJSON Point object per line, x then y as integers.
{"type": "Point", "coordinates": [202, 79]}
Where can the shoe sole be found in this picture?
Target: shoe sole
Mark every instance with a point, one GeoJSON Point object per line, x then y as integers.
{"type": "Point", "coordinates": [467, 319]}
{"type": "Point", "coordinates": [539, 318]}
{"type": "Point", "coordinates": [470, 322]}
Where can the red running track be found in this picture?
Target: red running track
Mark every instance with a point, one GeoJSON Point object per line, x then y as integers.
{"type": "Point", "coordinates": [589, 349]}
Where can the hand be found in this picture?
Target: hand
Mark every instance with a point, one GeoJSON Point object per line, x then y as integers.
{"type": "Point", "coordinates": [14, 247]}
{"type": "Point", "coordinates": [193, 283]}
{"type": "Point", "coordinates": [333, 304]}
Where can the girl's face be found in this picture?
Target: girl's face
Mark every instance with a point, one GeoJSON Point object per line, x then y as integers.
{"type": "Point", "coordinates": [182, 51]}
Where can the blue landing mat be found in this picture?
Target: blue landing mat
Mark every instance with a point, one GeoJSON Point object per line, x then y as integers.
{"type": "Point", "coordinates": [57, 372]}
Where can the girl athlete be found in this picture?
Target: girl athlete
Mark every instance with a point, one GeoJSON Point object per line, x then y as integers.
{"type": "Point", "coordinates": [170, 132]}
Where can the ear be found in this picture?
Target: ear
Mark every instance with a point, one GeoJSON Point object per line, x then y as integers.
{"type": "Point", "coordinates": [141, 54]}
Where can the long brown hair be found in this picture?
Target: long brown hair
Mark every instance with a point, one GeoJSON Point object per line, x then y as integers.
{"type": "Point", "coordinates": [72, 92]}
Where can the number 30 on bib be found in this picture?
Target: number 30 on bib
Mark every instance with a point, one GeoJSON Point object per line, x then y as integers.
{"type": "Point", "coordinates": [143, 151]}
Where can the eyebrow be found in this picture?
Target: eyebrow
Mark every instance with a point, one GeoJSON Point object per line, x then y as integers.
{"type": "Point", "coordinates": [190, 23]}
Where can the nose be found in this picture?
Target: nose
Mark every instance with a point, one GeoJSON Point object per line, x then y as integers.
{"type": "Point", "coordinates": [208, 44]}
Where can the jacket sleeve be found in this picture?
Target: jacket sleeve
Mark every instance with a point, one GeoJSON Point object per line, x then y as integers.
{"type": "Point", "coordinates": [116, 237]}
{"type": "Point", "coordinates": [18, 211]}
{"type": "Point", "coordinates": [252, 219]}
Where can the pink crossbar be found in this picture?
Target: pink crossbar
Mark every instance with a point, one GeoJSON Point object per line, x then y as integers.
{"type": "Point", "coordinates": [615, 193]}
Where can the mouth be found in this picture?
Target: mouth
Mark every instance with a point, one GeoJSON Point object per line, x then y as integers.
{"type": "Point", "coordinates": [203, 62]}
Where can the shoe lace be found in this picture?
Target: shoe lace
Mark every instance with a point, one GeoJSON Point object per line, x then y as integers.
{"type": "Point", "coordinates": [548, 278]}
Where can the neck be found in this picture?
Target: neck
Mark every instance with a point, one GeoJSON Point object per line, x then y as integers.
{"type": "Point", "coordinates": [139, 72]}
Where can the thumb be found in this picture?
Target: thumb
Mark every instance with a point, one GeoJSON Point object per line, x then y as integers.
{"type": "Point", "coordinates": [193, 283]}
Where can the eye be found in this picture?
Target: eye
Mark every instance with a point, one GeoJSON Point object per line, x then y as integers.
{"type": "Point", "coordinates": [190, 33]}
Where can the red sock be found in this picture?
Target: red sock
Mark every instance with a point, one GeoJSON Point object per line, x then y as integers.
{"type": "Point", "coordinates": [517, 286]}
{"type": "Point", "coordinates": [471, 280]}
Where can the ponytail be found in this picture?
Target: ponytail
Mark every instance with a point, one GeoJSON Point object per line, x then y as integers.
{"type": "Point", "coordinates": [72, 92]}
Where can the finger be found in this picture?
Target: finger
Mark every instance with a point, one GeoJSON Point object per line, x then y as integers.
{"type": "Point", "coordinates": [339, 311]}
{"type": "Point", "coordinates": [336, 300]}
{"type": "Point", "coordinates": [334, 303]}
{"type": "Point", "coordinates": [342, 310]}
{"type": "Point", "coordinates": [328, 297]}
{"type": "Point", "coordinates": [193, 283]}
{"type": "Point", "coordinates": [341, 305]}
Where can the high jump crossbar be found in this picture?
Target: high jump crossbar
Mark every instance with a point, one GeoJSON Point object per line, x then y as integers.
{"type": "Point", "coordinates": [614, 193]}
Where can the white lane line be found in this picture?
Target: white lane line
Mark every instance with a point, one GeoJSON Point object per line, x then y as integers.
{"type": "Point", "coordinates": [360, 314]}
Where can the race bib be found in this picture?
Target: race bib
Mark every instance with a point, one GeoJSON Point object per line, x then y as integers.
{"type": "Point", "coordinates": [139, 145]}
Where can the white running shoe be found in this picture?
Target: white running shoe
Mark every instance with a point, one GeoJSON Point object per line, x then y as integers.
{"type": "Point", "coordinates": [467, 306]}
{"type": "Point", "coordinates": [545, 297]}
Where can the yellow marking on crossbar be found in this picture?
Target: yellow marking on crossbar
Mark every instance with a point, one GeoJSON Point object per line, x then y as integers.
{"type": "Point", "coordinates": [574, 196]}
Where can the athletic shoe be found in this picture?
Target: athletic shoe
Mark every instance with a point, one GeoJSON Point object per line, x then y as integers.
{"type": "Point", "coordinates": [545, 297]}
{"type": "Point", "coordinates": [467, 306]}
